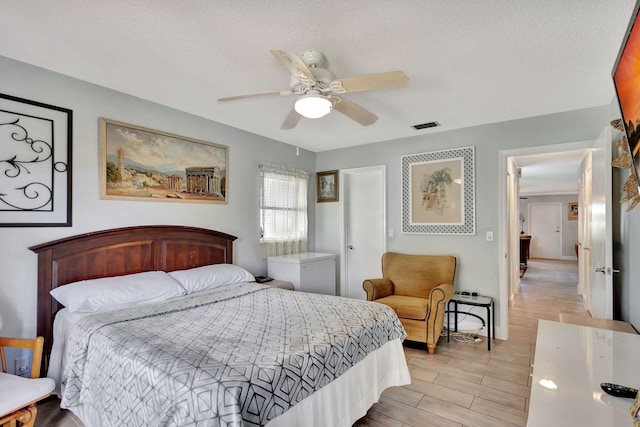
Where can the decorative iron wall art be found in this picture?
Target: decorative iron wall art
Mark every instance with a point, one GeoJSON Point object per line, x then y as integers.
{"type": "Point", "coordinates": [35, 163]}
{"type": "Point", "coordinates": [438, 192]}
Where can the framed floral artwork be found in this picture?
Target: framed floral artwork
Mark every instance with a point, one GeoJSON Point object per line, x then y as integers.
{"type": "Point", "coordinates": [438, 192]}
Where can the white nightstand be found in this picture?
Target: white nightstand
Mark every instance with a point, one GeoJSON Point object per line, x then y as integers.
{"type": "Point", "coordinates": [308, 271]}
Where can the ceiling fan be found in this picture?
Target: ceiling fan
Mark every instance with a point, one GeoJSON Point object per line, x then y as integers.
{"type": "Point", "coordinates": [319, 90]}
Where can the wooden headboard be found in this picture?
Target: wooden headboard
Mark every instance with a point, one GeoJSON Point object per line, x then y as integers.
{"type": "Point", "coordinates": [117, 252]}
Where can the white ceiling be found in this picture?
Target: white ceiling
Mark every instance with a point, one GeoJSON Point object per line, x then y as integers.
{"type": "Point", "coordinates": [468, 62]}
{"type": "Point", "coordinates": [549, 174]}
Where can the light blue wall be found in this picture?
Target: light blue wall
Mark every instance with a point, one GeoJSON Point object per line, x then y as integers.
{"type": "Point", "coordinates": [478, 259]}
{"type": "Point", "coordinates": [90, 102]}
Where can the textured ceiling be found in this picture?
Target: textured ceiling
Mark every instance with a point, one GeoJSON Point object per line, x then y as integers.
{"type": "Point", "coordinates": [469, 62]}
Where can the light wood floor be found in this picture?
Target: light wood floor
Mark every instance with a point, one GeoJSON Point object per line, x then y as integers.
{"type": "Point", "coordinates": [461, 384]}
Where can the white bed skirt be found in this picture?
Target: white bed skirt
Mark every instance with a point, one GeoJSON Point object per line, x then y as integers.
{"type": "Point", "coordinates": [347, 399]}
{"type": "Point", "coordinates": [340, 403]}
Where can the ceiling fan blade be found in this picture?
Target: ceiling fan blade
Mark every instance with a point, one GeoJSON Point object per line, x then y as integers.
{"type": "Point", "coordinates": [291, 121]}
{"type": "Point", "coordinates": [296, 66]}
{"type": "Point", "coordinates": [252, 95]}
{"type": "Point", "coordinates": [355, 112]}
{"type": "Point", "coordinates": [390, 80]}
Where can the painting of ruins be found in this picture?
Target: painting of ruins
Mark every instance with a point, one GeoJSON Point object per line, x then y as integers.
{"type": "Point", "coordinates": [145, 164]}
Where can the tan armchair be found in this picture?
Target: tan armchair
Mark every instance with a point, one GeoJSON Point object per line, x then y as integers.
{"type": "Point", "coordinates": [417, 288]}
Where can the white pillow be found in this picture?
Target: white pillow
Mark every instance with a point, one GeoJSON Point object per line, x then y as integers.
{"type": "Point", "coordinates": [211, 276]}
{"type": "Point", "coordinates": [89, 296]}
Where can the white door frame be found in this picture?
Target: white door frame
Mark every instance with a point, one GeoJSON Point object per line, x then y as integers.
{"type": "Point", "coordinates": [503, 220]}
{"type": "Point", "coordinates": [343, 218]}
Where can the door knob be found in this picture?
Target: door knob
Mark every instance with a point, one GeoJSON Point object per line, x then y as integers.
{"type": "Point", "coordinates": [606, 270]}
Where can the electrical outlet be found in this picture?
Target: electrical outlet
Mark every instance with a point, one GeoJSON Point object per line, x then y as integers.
{"type": "Point", "coordinates": [21, 366]}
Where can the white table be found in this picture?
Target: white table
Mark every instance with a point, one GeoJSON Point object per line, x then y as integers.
{"type": "Point", "coordinates": [577, 359]}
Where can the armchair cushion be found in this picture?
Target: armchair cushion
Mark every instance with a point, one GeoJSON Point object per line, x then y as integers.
{"type": "Point", "coordinates": [407, 307]}
{"type": "Point", "coordinates": [17, 392]}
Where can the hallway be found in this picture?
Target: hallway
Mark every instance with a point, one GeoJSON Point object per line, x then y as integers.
{"type": "Point", "coordinates": [548, 288]}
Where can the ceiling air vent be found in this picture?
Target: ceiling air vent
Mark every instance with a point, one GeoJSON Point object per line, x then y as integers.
{"type": "Point", "coordinates": [426, 125]}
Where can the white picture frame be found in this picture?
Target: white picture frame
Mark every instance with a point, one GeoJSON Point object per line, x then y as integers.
{"type": "Point", "coordinates": [438, 192]}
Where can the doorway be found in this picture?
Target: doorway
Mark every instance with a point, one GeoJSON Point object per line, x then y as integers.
{"type": "Point", "coordinates": [363, 239]}
{"type": "Point", "coordinates": [509, 258]}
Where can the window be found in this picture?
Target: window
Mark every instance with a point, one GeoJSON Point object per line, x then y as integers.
{"type": "Point", "coordinates": [283, 210]}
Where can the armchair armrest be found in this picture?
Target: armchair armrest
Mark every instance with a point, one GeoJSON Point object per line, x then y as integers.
{"type": "Point", "coordinates": [438, 298]}
{"type": "Point", "coordinates": [377, 288]}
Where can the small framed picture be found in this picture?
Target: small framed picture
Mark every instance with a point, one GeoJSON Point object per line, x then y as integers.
{"type": "Point", "coordinates": [573, 210]}
{"type": "Point", "coordinates": [327, 186]}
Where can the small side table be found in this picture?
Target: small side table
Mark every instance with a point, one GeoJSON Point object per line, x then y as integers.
{"type": "Point", "coordinates": [477, 301]}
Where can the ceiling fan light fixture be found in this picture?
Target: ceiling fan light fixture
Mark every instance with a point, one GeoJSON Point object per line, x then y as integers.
{"type": "Point", "coordinates": [313, 106]}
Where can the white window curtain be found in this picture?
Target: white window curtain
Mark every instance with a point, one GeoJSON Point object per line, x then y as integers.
{"type": "Point", "coordinates": [283, 210]}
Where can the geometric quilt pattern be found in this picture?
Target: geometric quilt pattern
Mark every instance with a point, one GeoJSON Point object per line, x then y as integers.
{"type": "Point", "coordinates": [239, 355]}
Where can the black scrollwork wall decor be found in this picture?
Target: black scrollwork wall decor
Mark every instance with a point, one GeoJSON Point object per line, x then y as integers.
{"type": "Point", "coordinates": [35, 163]}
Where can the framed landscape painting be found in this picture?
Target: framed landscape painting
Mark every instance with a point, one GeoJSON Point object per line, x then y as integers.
{"type": "Point", "coordinates": [144, 164]}
{"type": "Point", "coordinates": [438, 193]}
{"type": "Point", "coordinates": [327, 186]}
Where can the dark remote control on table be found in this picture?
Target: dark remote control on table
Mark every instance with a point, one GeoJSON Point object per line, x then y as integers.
{"type": "Point", "coordinates": [619, 390]}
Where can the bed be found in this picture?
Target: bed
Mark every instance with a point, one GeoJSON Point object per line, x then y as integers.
{"type": "Point", "coordinates": [295, 359]}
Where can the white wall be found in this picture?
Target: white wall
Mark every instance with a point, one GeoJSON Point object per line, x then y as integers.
{"type": "Point", "coordinates": [89, 102]}
{"type": "Point", "coordinates": [478, 259]}
{"type": "Point", "coordinates": [569, 227]}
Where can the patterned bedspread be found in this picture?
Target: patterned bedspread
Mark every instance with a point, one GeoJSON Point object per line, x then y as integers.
{"type": "Point", "coordinates": [240, 355]}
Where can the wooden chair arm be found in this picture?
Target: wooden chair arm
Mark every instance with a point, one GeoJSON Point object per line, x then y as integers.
{"type": "Point", "coordinates": [377, 288]}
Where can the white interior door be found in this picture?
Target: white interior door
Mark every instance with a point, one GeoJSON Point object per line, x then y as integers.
{"type": "Point", "coordinates": [584, 230]}
{"type": "Point", "coordinates": [601, 228]}
{"type": "Point", "coordinates": [545, 228]}
{"type": "Point", "coordinates": [364, 225]}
